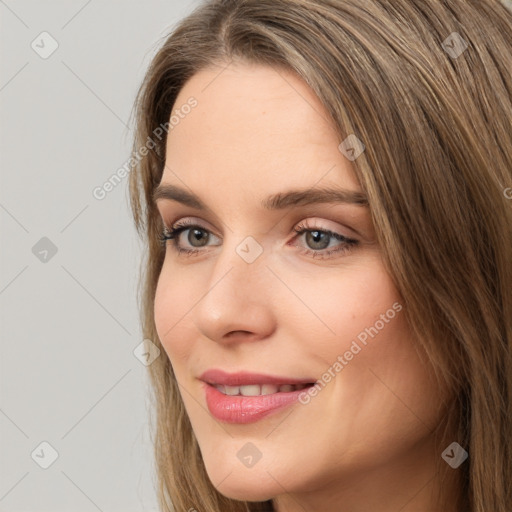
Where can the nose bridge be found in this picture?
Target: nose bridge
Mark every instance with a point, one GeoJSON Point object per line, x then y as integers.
{"type": "Point", "coordinates": [240, 271]}
{"type": "Point", "coordinates": [238, 296]}
{"type": "Point", "coordinates": [242, 258]}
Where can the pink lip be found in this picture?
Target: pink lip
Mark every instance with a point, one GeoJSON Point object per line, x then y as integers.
{"type": "Point", "coordinates": [246, 409]}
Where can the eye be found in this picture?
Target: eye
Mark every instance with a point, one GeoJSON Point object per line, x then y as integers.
{"type": "Point", "coordinates": [317, 239]}
{"type": "Point", "coordinates": [197, 237]}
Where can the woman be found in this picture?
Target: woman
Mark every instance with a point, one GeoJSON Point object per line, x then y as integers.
{"type": "Point", "coordinates": [323, 188]}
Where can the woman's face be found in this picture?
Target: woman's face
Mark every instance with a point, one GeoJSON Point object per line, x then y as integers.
{"type": "Point", "coordinates": [260, 306]}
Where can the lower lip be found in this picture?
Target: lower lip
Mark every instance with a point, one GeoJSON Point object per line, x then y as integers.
{"type": "Point", "coordinates": [246, 409]}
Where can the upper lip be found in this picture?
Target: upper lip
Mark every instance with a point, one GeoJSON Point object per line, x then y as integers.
{"type": "Point", "coordinates": [216, 376]}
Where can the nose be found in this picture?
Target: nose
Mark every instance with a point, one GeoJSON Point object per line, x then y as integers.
{"type": "Point", "coordinates": [236, 304]}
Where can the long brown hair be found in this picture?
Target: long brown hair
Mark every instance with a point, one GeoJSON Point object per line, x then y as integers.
{"type": "Point", "coordinates": [427, 86]}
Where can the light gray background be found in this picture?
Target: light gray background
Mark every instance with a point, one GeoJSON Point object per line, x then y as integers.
{"type": "Point", "coordinates": [68, 375]}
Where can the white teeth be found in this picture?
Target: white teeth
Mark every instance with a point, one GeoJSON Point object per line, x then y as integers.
{"type": "Point", "coordinates": [251, 390]}
{"type": "Point", "coordinates": [231, 390]}
{"type": "Point", "coordinates": [257, 390]}
{"type": "Point", "coordinates": [269, 389]}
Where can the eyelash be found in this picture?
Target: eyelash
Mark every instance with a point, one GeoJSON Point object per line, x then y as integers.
{"type": "Point", "coordinates": [173, 234]}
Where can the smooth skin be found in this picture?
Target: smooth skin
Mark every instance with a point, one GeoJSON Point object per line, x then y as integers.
{"type": "Point", "coordinates": [365, 441]}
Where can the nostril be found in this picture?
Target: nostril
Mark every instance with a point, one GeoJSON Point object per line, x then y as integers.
{"type": "Point", "coordinates": [234, 333]}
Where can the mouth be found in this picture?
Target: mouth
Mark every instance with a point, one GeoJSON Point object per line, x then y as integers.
{"type": "Point", "coordinates": [248, 397]}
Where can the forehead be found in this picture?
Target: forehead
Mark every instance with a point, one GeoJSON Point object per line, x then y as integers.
{"type": "Point", "coordinates": [256, 127]}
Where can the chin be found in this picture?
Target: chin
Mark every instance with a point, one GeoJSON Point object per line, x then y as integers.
{"type": "Point", "coordinates": [246, 485]}
{"type": "Point", "coordinates": [246, 491]}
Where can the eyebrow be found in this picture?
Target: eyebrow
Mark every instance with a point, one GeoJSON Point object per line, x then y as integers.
{"type": "Point", "coordinates": [277, 201]}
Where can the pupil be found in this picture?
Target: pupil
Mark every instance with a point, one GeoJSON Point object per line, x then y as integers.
{"type": "Point", "coordinates": [196, 235]}
{"type": "Point", "coordinates": [316, 238]}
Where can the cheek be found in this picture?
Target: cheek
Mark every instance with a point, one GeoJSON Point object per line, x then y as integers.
{"type": "Point", "coordinates": [172, 304]}
{"type": "Point", "coordinates": [364, 347]}
{"type": "Point", "coordinates": [368, 317]}
{"type": "Point", "coordinates": [360, 305]}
